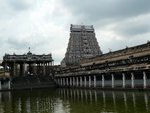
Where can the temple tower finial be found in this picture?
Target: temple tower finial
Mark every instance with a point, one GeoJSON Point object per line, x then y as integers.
{"type": "Point", "coordinates": [29, 48]}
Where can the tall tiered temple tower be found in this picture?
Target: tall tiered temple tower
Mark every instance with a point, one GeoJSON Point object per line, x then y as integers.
{"type": "Point", "coordinates": [82, 44]}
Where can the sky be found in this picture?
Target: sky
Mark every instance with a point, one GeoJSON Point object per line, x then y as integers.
{"type": "Point", "coordinates": [44, 25]}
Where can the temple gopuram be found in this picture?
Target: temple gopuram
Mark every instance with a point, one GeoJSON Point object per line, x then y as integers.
{"type": "Point", "coordinates": [82, 44]}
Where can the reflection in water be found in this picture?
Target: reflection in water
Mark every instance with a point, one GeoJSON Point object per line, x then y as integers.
{"type": "Point", "coordinates": [90, 93]}
{"type": "Point", "coordinates": [74, 101]}
{"type": "Point", "coordinates": [95, 94]}
{"type": "Point", "coordinates": [114, 100]}
{"type": "Point", "coordinates": [81, 93]}
{"type": "Point", "coordinates": [146, 101]}
{"type": "Point", "coordinates": [134, 101]}
{"type": "Point", "coordinates": [85, 92]}
{"type": "Point", "coordinates": [104, 100]}
{"type": "Point", "coordinates": [125, 101]}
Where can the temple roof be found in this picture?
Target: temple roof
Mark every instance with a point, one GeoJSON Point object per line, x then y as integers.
{"type": "Point", "coordinates": [29, 57]}
{"type": "Point", "coordinates": [81, 27]}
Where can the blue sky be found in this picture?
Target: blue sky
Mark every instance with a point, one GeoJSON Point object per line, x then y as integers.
{"type": "Point", "coordinates": [44, 25]}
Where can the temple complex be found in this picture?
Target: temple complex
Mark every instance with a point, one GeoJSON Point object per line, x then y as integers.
{"type": "Point", "coordinates": [83, 66]}
{"type": "Point", "coordinates": [82, 44]}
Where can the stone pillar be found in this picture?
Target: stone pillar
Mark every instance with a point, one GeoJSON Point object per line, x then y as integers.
{"type": "Point", "coordinates": [74, 81]}
{"type": "Point", "coordinates": [58, 81]}
{"type": "Point", "coordinates": [70, 81]}
{"type": "Point", "coordinates": [46, 69]}
{"type": "Point", "coordinates": [95, 81]}
{"type": "Point", "coordinates": [43, 68]}
{"type": "Point", "coordinates": [11, 69]}
{"type": "Point", "coordinates": [14, 69]}
{"type": "Point", "coordinates": [17, 69]}
{"type": "Point", "coordinates": [77, 81]}
{"type": "Point", "coordinates": [21, 69]}
{"type": "Point", "coordinates": [123, 80]}
{"type": "Point", "coordinates": [103, 81]}
{"type": "Point", "coordinates": [0, 86]}
{"type": "Point", "coordinates": [80, 81]}
{"type": "Point", "coordinates": [5, 68]}
{"type": "Point", "coordinates": [49, 68]}
{"type": "Point", "coordinates": [64, 82]}
{"type": "Point", "coordinates": [34, 69]}
{"type": "Point", "coordinates": [84, 81]}
{"type": "Point", "coordinates": [29, 70]}
{"type": "Point", "coordinates": [61, 81]}
{"type": "Point", "coordinates": [112, 78]}
{"type": "Point", "coordinates": [89, 81]}
{"type": "Point", "coordinates": [9, 84]}
{"type": "Point", "coordinates": [144, 79]}
{"type": "Point", "coordinates": [67, 82]}
{"type": "Point", "coordinates": [132, 80]}
{"type": "Point", "coordinates": [39, 69]}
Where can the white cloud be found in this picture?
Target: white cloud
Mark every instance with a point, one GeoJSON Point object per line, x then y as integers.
{"type": "Point", "coordinates": [41, 28]}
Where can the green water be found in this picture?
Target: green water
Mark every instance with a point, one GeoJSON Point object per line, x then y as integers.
{"type": "Point", "coordinates": [74, 101]}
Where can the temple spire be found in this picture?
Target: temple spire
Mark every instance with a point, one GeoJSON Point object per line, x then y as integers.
{"type": "Point", "coordinates": [82, 44]}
